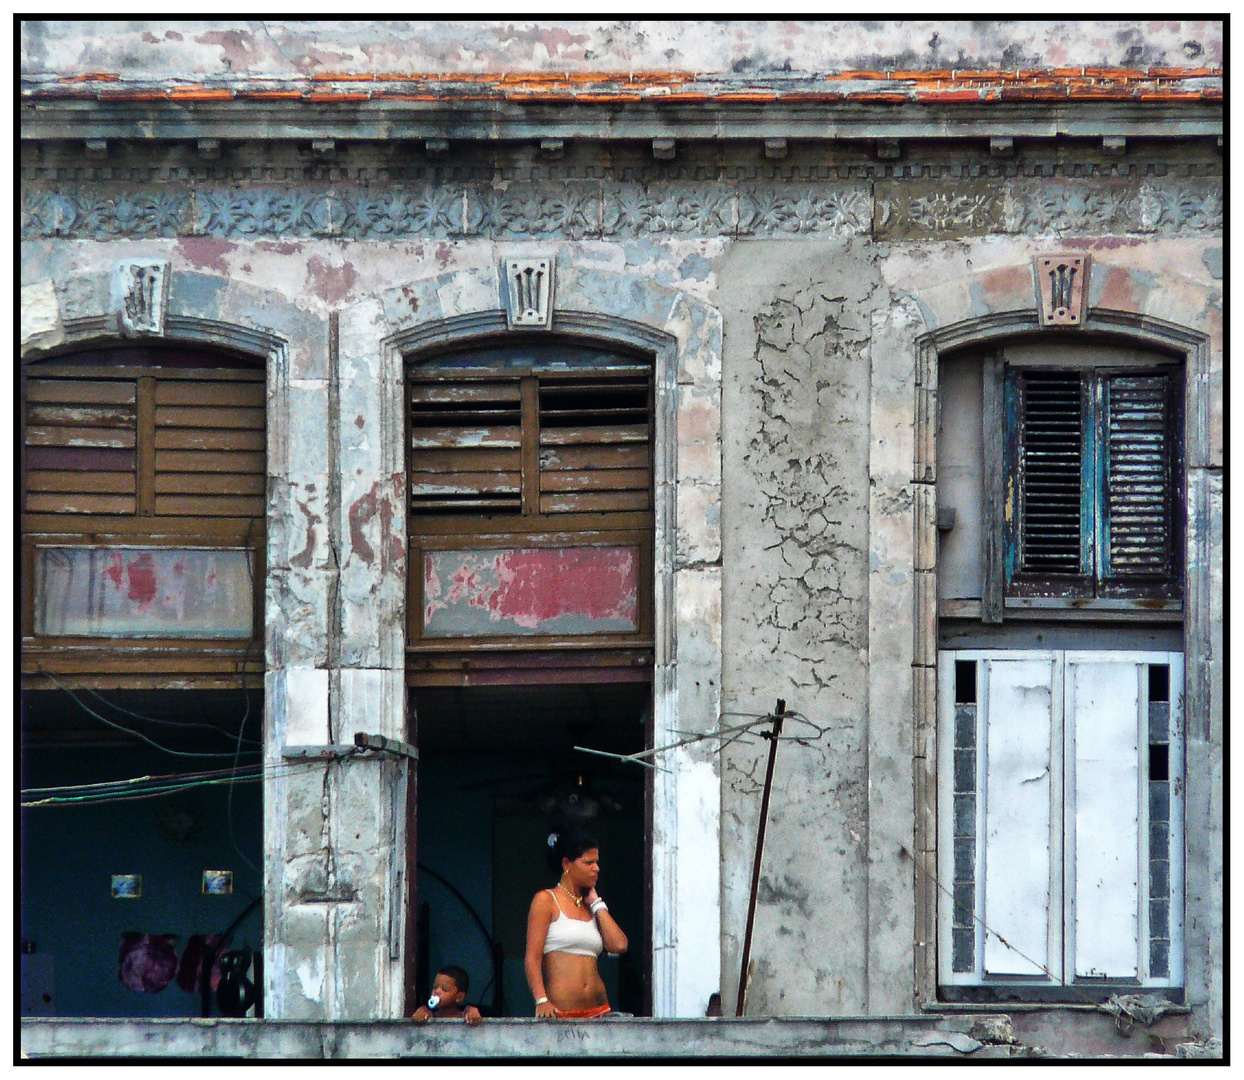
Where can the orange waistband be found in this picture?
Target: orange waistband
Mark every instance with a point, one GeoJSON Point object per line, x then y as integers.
{"type": "Point", "coordinates": [583, 1014]}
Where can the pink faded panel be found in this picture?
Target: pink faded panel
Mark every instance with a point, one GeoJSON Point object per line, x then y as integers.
{"type": "Point", "coordinates": [580, 590]}
{"type": "Point", "coordinates": [137, 592]}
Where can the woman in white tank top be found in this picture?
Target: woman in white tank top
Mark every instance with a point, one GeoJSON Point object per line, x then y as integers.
{"type": "Point", "coordinates": [568, 927]}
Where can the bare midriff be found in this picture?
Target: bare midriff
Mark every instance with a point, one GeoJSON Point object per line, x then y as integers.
{"type": "Point", "coordinates": [572, 981]}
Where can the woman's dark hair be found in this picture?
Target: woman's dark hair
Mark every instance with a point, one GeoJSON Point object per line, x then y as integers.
{"type": "Point", "coordinates": [567, 843]}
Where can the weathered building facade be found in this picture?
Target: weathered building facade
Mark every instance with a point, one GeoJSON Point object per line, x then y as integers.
{"type": "Point", "coordinates": [619, 381]}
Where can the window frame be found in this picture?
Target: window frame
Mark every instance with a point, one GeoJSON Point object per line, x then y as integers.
{"type": "Point", "coordinates": [435, 660]}
{"type": "Point", "coordinates": [1007, 590]}
{"type": "Point", "coordinates": [1061, 915]}
{"type": "Point", "coordinates": [140, 661]}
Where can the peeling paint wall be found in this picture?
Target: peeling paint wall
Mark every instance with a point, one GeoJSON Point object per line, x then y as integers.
{"type": "Point", "coordinates": [795, 297]}
{"type": "Point", "coordinates": [796, 542]}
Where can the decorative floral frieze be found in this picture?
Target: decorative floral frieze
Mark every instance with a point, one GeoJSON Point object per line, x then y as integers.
{"type": "Point", "coordinates": [1054, 208]}
{"type": "Point", "coordinates": [262, 213]}
{"type": "Point", "coordinates": [130, 213]}
{"type": "Point", "coordinates": [909, 209]}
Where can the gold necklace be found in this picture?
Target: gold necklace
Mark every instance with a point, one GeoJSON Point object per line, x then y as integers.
{"type": "Point", "coordinates": [578, 900]}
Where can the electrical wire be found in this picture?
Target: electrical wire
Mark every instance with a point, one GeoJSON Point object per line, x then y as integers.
{"type": "Point", "coordinates": [130, 731]}
{"type": "Point", "coordinates": [145, 794]}
{"type": "Point", "coordinates": [735, 732]}
{"type": "Point", "coordinates": [128, 780]}
{"type": "Point", "coordinates": [142, 787]}
{"type": "Point", "coordinates": [1018, 952]}
{"type": "Point", "coordinates": [179, 724]}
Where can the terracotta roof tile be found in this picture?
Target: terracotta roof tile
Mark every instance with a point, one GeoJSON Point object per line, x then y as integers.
{"type": "Point", "coordinates": [130, 95]}
{"type": "Point", "coordinates": [91, 76]}
{"type": "Point", "coordinates": [198, 92]}
{"type": "Point", "coordinates": [934, 86]}
{"type": "Point", "coordinates": [878, 97]}
{"type": "Point", "coordinates": [856, 76]}
{"type": "Point", "coordinates": [938, 96]}
{"type": "Point", "coordinates": [271, 95]}
{"type": "Point", "coordinates": [1115, 73]}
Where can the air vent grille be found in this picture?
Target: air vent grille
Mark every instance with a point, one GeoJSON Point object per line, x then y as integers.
{"type": "Point", "coordinates": [595, 445]}
{"type": "Point", "coordinates": [209, 448]}
{"type": "Point", "coordinates": [81, 438]}
{"type": "Point", "coordinates": [466, 447]}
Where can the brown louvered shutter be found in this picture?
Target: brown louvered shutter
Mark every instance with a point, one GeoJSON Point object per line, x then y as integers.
{"type": "Point", "coordinates": [595, 445]}
{"type": "Point", "coordinates": [466, 447]}
{"type": "Point", "coordinates": [209, 448]}
{"type": "Point", "coordinates": [1138, 486]}
{"type": "Point", "coordinates": [1051, 469]}
{"type": "Point", "coordinates": [80, 446]}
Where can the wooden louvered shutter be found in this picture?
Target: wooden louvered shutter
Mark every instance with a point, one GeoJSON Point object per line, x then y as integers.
{"type": "Point", "coordinates": [1137, 536]}
{"type": "Point", "coordinates": [1051, 459]}
{"type": "Point", "coordinates": [595, 445]}
{"type": "Point", "coordinates": [80, 446]}
{"type": "Point", "coordinates": [466, 447]}
{"type": "Point", "coordinates": [209, 448]}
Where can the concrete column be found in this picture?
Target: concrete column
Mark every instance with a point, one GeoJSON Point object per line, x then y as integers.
{"type": "Point", "coordinates": [686, 846]}
{"type": "Point", "coordinates": [894, 503]}
{"type": "Point", "coordinates": [1203, 812]}
{"type": "Point", "coordinates": [336, 839]}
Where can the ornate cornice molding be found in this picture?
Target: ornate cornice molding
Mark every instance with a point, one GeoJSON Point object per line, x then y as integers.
{"type": "Point", "coordinates": [908, 210]}
{"type": "Point", "coordinates": [873, 112]}
{"type": "Point", "coordinates": [129, 165]}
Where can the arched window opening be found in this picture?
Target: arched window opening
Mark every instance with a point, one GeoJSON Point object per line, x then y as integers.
{"type": "Point", "coordinates": [143, 497]}
{"type": "Point", "coordinates": [1060, 513]}
{"type": "Point", "coordinates": [530, 473]}
{"type": "Point", "coordinates": [143, 545]}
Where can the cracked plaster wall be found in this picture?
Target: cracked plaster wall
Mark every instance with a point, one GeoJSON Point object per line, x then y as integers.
{"type": "Point", "coordinates": [795, 554]}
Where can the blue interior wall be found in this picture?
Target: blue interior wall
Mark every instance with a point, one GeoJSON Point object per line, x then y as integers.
{"type": "Point", "coordinates": [457, 806]}
{"type": "Point", "coordinates": [70, 852]}
{"type": "Point", "coordinates": [455, 840]}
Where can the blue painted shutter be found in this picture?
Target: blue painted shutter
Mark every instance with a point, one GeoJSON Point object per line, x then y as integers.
{"type": "Point", "coordinates": [1138, 480]}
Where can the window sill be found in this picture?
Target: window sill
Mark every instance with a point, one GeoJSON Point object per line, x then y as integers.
{"type": "Point", "coordinates": [1032, 1006]}
{"type": "Point", "coordinates": [1044, 604]}
{"type": "Point", "coordinates": [1069, 610]}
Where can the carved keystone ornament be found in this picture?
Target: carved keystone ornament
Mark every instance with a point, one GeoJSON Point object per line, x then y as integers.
{"type": "Point", "coordinates": [139, 296]}
{"type": "Point", "coordinates": [1062, 279]}
{"type": "Point", "coordinates": [529, 292]}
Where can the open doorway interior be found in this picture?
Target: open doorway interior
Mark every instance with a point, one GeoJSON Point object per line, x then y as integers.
{"type": "Point", "coordinates": [124, 887]}
{"type": "Point", "coordinates": [497, 768]}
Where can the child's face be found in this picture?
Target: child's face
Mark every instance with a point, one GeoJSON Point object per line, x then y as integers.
{"type": "Point", "coordinates": [447, 990]}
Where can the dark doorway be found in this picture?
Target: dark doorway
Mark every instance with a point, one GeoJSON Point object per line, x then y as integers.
{"type": "Point", "coordinates": [497, 766]}
{"type": "Point", "coordinates": [158, 836]}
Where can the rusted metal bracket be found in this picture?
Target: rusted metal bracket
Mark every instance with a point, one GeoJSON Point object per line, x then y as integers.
{"type": "Point", "coordinates": [363, 743]}
{"type": "Point", "coordinates": [382, 745]}
{"type": "Point", "coordinates": [331, 752]}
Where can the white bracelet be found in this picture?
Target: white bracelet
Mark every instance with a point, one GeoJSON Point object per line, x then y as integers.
{"type": "Point", "coordinates": [597, 905]}
{"type": "Point", "coordinates": [541, 1001]}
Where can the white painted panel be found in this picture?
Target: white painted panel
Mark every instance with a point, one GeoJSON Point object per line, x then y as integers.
{"type": "Point", "coordinates": [306, 709]}
{"type": "Point", "coordinates": [1104, 707]}
{"type": "Point", "coordinates": [1020, 717]}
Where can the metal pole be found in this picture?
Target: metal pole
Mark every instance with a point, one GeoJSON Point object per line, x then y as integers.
{"type": "Point", "coordinates": [772, 736]}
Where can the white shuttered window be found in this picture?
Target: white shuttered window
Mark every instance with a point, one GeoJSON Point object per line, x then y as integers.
{"type": "Point", "coordinates": [1061, 818]}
